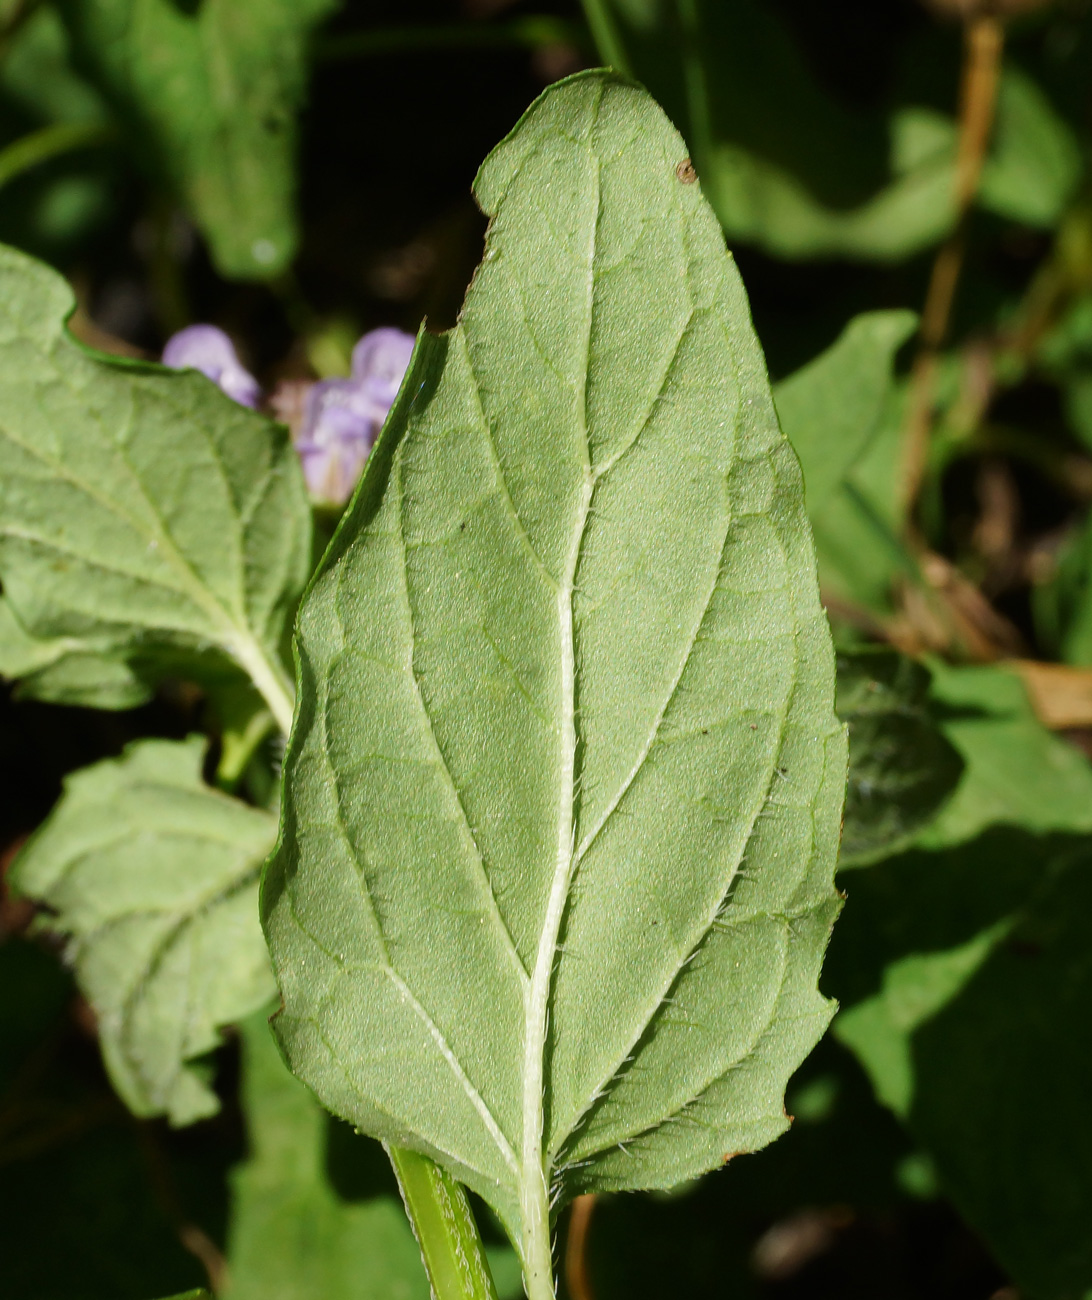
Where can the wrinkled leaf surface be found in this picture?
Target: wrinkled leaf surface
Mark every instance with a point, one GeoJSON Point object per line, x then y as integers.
{"type": "Point", "coordinates": [138, 505]}
{"type": "Point", "coordinates": [152, 878]}
{"type": "Point", "coordinates": [563, 793]}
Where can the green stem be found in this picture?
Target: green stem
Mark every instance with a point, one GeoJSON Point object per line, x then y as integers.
{"type": "Point", "coordinates": [238, 747]}
{"type": "Point", "coordinates": [444, 1226]}
{"type": "Point", "coordinates": [49, 142]}
{"type": "Point", "coordinates": [530, 33]}
{"type": "Point", "coordinates": [605, 34]}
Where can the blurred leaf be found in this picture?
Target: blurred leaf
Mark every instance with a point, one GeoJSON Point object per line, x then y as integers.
{"type": "Point", "coordinates": [843, 414]}
{"type": "Point", "coordinates": [1063, 602]}
{"type": "Point", "coordinates": [970, 1034]}
{"type": "Point", "coordinates": [1035, 162]}
{"type": "Point", "coordinates": [152, 877]}
{"type": "Point", "coordinates": [37, 75]}
{"type": "Point", "coordinates": [295, 1232]}
{"type": "Point", "coordinates": [901, 766]}
{"type": "Point", "coordinates": [140, 505]}
{"type": "Point", "coordinates": [545, 523]}
{"type": "Point", "coordinates": [210, 93]}
{"type": "Point", "coordinates": [1065, 353]}
{"type": "Point", "coordinates": [831, 408]}
{"type": "Point", "coordinates": [787, 167]}
{"type": "Point", "coordinates": [1015, 772]}
{"type": "Point", "coordinates": [962, 967]}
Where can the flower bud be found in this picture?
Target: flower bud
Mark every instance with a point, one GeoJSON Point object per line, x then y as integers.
{"type": "Point", "coordinates": [208, 349]}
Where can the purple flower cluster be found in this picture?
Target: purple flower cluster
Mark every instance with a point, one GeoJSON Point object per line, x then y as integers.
{"type": "Point", "coordinates": [341, 417]}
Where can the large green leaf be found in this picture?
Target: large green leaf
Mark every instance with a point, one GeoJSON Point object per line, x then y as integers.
{"type": "Point", "coordinates": [152, 878]}
{"type": "Point", "coordinates": [902, 767]}
{"type": "Point", "coordinates": [210, 93]}
{"type": "Point", "coordinates": [140, 506]}
{"type": "Point", "coordinates": [563, 793]}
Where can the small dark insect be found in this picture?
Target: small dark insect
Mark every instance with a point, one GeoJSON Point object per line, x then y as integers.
{"type": "Point", "coordinates": [685, 172]}
{"type": "Point", "coordinates": [462, 527]}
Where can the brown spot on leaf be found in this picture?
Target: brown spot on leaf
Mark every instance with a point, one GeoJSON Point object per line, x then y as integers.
{"type": "Point", "coordinates": [685, 172]}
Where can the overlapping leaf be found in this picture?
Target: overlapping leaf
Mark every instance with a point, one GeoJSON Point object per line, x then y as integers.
{"type": "Point", "coordinates": [292, 1233]}
{"type": "Point", "coordinates": [152, 877]}
{"type": "Point", "coordinates": [563, 793]}
{"type": "Point", "coordinates": [140, 509]}
{"type": "Point", "coordinates": [902, 767]}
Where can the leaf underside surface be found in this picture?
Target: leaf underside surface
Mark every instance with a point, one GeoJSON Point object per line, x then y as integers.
{"type": "Point", "coordinates": [564, 788]}
{"type": "Point", "coordinates": [296, 1233]}
{"type": "Point", "coordinates": [152, 878]}
{"type": "Point", "coordinates": [142, 512]}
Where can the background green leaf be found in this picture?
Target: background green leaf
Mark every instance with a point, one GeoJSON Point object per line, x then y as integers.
{"type": "Point", "coordinates": [210, 94]}
{"type": "Point", "coordinates": [962, 966]}
{"type": "Point", "coordinates": [842, 412]}
{"type": "Point", "coordinates": [138, 504]}
{"type": "Point", "coordinates": [562, 800]}
{"type": "Point", "coordinates": [793, 169]}
{"type": "Point", "coordinates": [68, 670]}
{"type": "Point", "coordinates": [152, 879]}
{"type": "Point", "coordinates": [831, 408]}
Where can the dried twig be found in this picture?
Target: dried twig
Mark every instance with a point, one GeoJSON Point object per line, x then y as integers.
{"type": "Point", "coordinates": [984, 37]}
{"type": "Point", "coordinates": [576, 1249]}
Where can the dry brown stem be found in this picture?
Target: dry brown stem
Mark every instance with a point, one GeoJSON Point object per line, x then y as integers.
{"type": "Point", "coordinates": [984, 37]}
{"type": "Point", "coordinates": [576, 1249]}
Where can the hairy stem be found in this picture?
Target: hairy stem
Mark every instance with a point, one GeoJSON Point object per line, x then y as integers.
{"type": "Point", "coordinates": [444, 1226]}
{"type": "Point", "coordinates": [269, 680]}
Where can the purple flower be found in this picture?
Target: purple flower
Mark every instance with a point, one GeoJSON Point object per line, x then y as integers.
{"type": "Point", "coordinates": [342, 417]}
{"type": "Point", "coordinates": [208, 349]}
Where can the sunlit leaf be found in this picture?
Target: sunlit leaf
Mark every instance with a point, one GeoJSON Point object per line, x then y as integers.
{"type": "Point", "coordinates": [140, 506]}
{"type": "Point", "coordinates": [842, 412]}
{"type": "Point", "coordinates": [563, 793]}
{"type": "Point", "coordinates": [152, 878]}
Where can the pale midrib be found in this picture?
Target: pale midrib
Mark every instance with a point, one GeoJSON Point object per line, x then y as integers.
{"type": "Point", "coordinates": [534, 1188]}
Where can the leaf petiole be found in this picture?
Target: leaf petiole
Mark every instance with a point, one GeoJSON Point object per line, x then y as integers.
{"type": "Point", "coordinates": [444, 1226]}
